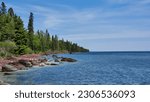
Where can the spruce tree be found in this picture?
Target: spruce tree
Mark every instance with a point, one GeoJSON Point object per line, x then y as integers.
{"type": "Point", "coordinates": [20, 34]}
{"type": "Point", "coordinates": [48, 40]}
{"type": "Point", "coordinates": [56, 43]}
{"type": "Point", "coordinates": [3, 9]}
{"type": "Point", "coordinates": [30, 31]}
{"type": "Point", "coordinates": [11, 12]}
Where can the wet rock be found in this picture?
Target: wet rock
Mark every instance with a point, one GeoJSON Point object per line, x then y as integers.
{"type": "Point", "coordinates": [26, 63]}
{"type": "Point", "coordinates": [18, 65]}
{"type": "Point", "coordinates": [8, 68]}
{"type": "Point", "coordinates": [68, 60]}
{"type": "Point", "coordinates": [54, 63]}
{"type": "Point", "coordinates": [56, 58]}
{"type": "Point", "coordinates": [8, 73]}
{"type": "Point", "coordinates": [41, 64]}
{"type": "Point", "coordinates": [3, 83]}
{"type": "Point", "coordinates": [47, 63]}
{"type": "Point", "coordinates": [42, 60]}
{"type": "Point", "coordinates": [34, 62]}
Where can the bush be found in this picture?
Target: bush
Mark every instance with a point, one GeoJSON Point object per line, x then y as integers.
{"type": "Point", "coordinates": [7, 46]}
{"type": "Point", "coordinates": [22, 49]}
{"type": "Point", "coordinates": [5, 54]}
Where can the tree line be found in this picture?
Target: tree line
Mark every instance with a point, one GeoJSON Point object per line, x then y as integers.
{"type": "Point", "coordinates": [13, 32]}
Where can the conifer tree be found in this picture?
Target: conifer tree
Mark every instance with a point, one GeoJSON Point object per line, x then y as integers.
{"type": "Point", "coordinates": [48, 40]}
{"type": "Point", "coordinates": [11, 12]}
{"type": "Point", "coordinates": [3, 9]}
{"type": "Point", "coordinates": [20, 33]}
{"type": "Point", "coordinates": [30, 31]}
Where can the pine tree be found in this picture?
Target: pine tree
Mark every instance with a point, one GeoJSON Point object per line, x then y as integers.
{"type": "Point", "coordinates": [20, 33]}
{"type": "Point", "coordinates": [11, 12]}
{"type": "Point", "coordinates": [56, 43]}
{"type": "Point", "coordinates": [53, 43]}
{"type": "Point", "coordinates": [8, 28]}
{"type": "Point", "coordinates": [3, 9]}
{"type": "Point", "coordinates": [48, 40]}
{"type": "Point", "coordinates": [30, 31]}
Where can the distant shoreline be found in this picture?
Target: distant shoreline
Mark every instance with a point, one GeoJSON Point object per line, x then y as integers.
{"type": "Point", "coordinates": [121, 51]}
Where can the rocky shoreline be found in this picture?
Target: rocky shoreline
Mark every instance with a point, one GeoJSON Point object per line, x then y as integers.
{"type": "Point", "coordinates": [25, 62]}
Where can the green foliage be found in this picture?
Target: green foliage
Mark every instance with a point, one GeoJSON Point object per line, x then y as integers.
{"type": "Point", "coordinates": [7, 48]}
{"type": "Point", "coordinates": [5, 54]}
{"type": "Point", "coordinates": [20, 33]}
{"type": "Point", "coordinates": [23, 49]}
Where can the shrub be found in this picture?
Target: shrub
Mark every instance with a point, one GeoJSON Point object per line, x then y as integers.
{"type": "Point", "coordinates": [5, 54]}
{"type": "Point", "coordinates": [22, 49]}
{"type": "Point", "coordinates": [7, 46]}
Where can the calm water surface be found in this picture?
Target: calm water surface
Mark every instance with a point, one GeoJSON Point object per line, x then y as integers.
{"type": "Point", "coordinates": [106, 68]}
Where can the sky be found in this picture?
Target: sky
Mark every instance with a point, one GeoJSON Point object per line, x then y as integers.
{"type": "Point", "coordinates": [99, 25]}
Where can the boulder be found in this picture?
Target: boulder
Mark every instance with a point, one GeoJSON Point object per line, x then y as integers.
{"type": "Point", "coordinates": [54, 63]}
{"type": "Point", "coordinates": [18, 65]}
{"type": "Point", "coordinates": [8, 73]}
{"type": "Point", "coordinates": [2, 83]}
{"type": "Point", "coordinates": [26, 63]}
{"type": "Point", "coordinates": [42, 64]}
{"type": "Point", "coordinates": [8, 68]}
{"type": "Point", "coordinates": [42, 60]}
{"type": "Point", "coordinates": [68, 60]}
{"type": "Point", "coordinates": [47, 63]}
{"type": "Point", "coordinates": [34, 62]}
{"type": "Point", "coordinates": [56, 58]}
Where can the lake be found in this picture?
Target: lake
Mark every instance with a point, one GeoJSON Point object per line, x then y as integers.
{"type": "Point", "coordinates": [92, 68]}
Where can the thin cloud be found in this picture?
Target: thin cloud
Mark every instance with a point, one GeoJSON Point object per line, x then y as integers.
{"type": "Point", "coordinates": [117, 19]}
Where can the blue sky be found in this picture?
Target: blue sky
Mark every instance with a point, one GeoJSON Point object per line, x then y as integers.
{"type": "Point", "coordinates": [100, 25]}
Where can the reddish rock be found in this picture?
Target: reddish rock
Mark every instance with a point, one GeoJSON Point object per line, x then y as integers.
{"type": "Point", "coordinates": [26, 63]}
{"type": "Point", "coordinates": [18, 65]}
{"type": "Point", "coordinates": [8, 68]}
{"type": "Point", "coordinates": [68, 60]}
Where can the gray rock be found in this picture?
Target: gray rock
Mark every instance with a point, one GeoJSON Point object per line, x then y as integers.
{"type": "Point", "coordinates": [18, 65]}
{"type": "Point", "coordinates": [42, 64]}
{"type": "Point", "coordinates": [54, 63]}
{"type": "Point", "coordinates": [8, 68]}
{"type": "Point", "coordinates": [47, 63]}
{"type": "Point", "coordinates": [2, 83]}
{"type": "Point", "coordinates": [26, 63]}
{"type": "Point", "coordinates": [34, 62]}
{"type": "Point", "coordinates": [8, 73]}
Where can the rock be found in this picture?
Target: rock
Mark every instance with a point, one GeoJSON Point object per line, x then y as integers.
{"type": "Point", "coordinates": [56, 58]}
{"type": "Point", "coordinates": [42, 60]}
{"type": "Point", "coordinates": [18, 65]}
{"type": "Point", "coordinates": [68, 60]}
{"type": "Point", "coordinates": [48, 63]}
{"type": "Point", "coordinates": [41, 64]}
{"type": "Point", "coordinates": [8, 73]}
{"type": "Point", "coordinates": [54, 63]}
{"type": "Point", "coordinates": [34, 62]}
{"type": "Point", "coordinates": [26, 63]}
{"type": "Point", "coordinates": [2, 83]}
{"type": "Point", "coordinates": [8, 68]}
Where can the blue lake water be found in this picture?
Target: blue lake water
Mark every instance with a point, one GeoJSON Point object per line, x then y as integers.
{"type": "Point", "coordinates": [98, 68]}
